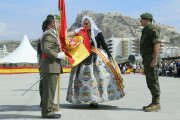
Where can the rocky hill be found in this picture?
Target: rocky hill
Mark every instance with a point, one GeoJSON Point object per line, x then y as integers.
{"type": "Point", "coordinates": [123, 26]}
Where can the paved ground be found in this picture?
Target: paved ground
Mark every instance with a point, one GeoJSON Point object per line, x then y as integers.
{"type": "Point", "coordinates": [15, 106]}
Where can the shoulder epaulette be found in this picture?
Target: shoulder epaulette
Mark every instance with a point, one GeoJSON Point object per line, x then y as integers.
{"type": "Point", "coordinates": [154, 29]}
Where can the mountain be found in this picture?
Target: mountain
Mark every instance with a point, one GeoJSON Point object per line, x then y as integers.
{"type": "Point", "coordinates": [117, 25]}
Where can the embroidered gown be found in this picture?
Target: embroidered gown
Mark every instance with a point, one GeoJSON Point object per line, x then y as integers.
{"type": "Point", "coordinates": [92, 81]}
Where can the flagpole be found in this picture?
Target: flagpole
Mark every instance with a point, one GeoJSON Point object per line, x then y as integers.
{"type": "Point", "coordinates": [58, 93]}
{"type": "Point", "coordinates": [58, 96]}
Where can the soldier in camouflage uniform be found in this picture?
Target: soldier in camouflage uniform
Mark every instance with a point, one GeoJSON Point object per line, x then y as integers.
{"type": "Point", "coordinates": [149, 49]}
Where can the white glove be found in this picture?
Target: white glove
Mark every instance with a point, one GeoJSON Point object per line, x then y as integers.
{"type": "Point", "coordinates": [77, 30]}
{"type": "Point", "coordinates": [61, 55]}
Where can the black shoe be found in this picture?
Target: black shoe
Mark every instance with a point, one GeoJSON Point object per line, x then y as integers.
{"type": "Point", "coordinates": [93, 105]}
{"type": "Point", "coordinates": [53, 116]}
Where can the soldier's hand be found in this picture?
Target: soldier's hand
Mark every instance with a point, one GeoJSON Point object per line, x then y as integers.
{"type": "Point", "coordinates": [153, 63]}
{"type": "Point", "coordinates": [61, 55]}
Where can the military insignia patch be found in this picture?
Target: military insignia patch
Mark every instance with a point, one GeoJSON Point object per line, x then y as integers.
{"type": "Point", "coordinates": [157, 32]}
{"type": "Point", "coordinates": [154, 29]}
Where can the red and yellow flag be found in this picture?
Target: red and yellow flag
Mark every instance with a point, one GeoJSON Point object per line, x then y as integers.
{"type": "Point", "coordinates": [77, 48]}
{"type": "Point", "coordinates": [63, 24]}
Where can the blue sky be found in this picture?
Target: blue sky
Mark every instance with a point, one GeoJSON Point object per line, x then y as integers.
{"type": "Point", "coordinates": [19, 17]}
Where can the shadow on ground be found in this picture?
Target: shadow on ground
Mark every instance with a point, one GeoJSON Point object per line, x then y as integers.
{"type": "Point", "coordinates": [5, 108]}
{"type": "Point", "coordinates": [100, 107]}
{"type": "Point", "coordinates": [18, 116]}
{"type": "Point", "coordinates": [33, 89]}
{"type": "Point", "coordinates": [12, 108]}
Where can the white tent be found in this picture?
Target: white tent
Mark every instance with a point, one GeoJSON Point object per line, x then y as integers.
{"type": "Point", "coordinates": [24, 53]}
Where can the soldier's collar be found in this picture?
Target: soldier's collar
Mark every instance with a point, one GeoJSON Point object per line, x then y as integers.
{"type": "Point", "coordinates": [148, 25]}
{"type": "Point", "coordinates": [54, 31]}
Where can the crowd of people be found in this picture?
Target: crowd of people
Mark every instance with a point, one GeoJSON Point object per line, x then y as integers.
{"type": "Point", "coordinates": [169, 68]}
{"type": "Point", "coordinates": [128, 68]}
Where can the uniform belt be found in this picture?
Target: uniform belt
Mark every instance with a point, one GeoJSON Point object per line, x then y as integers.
{"type": "Point", "coordinates": [44, 56]}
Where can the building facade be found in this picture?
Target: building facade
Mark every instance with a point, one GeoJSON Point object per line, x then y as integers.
{"type": "Point", "coordinates": [120, 47]}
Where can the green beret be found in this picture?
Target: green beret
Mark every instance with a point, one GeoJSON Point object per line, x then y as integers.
{"type": "Point", "coordinates": [57, 17]}
{"type": "Point", "coordinates": [50, 16]}
{"type": "Point", "coordinates": [147, 16]}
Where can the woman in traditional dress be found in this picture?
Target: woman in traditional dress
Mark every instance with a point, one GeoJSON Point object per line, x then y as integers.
{"type": "Point", "coordinates": [92, 81]}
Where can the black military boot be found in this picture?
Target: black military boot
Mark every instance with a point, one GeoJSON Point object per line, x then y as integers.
{"type": "Point", "coordinates": [40, 105]}
{"type": "Point", "coordinates": [154, 106]}
{"type": "Point", "coordinates": [93, 105]}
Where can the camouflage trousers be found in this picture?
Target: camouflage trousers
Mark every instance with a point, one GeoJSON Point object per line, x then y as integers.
{"type": "Point", "coordinates": [151, 77]}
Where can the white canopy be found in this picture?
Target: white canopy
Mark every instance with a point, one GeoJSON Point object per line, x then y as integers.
{"type": "Point", "coordinates": [24, 53]}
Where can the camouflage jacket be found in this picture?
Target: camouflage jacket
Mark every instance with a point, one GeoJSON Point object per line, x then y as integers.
{"type": "Point", "coordinates": [150, 35]}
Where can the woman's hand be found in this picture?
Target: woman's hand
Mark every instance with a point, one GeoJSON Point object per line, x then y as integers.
{"type": "Point", "coordinates": [77, 30]}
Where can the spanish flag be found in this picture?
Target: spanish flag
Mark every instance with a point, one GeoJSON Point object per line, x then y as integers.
{"type": "Point", "coordinates": [63, 24]}
{"type": "Point", "coordinates": [77, 48]}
